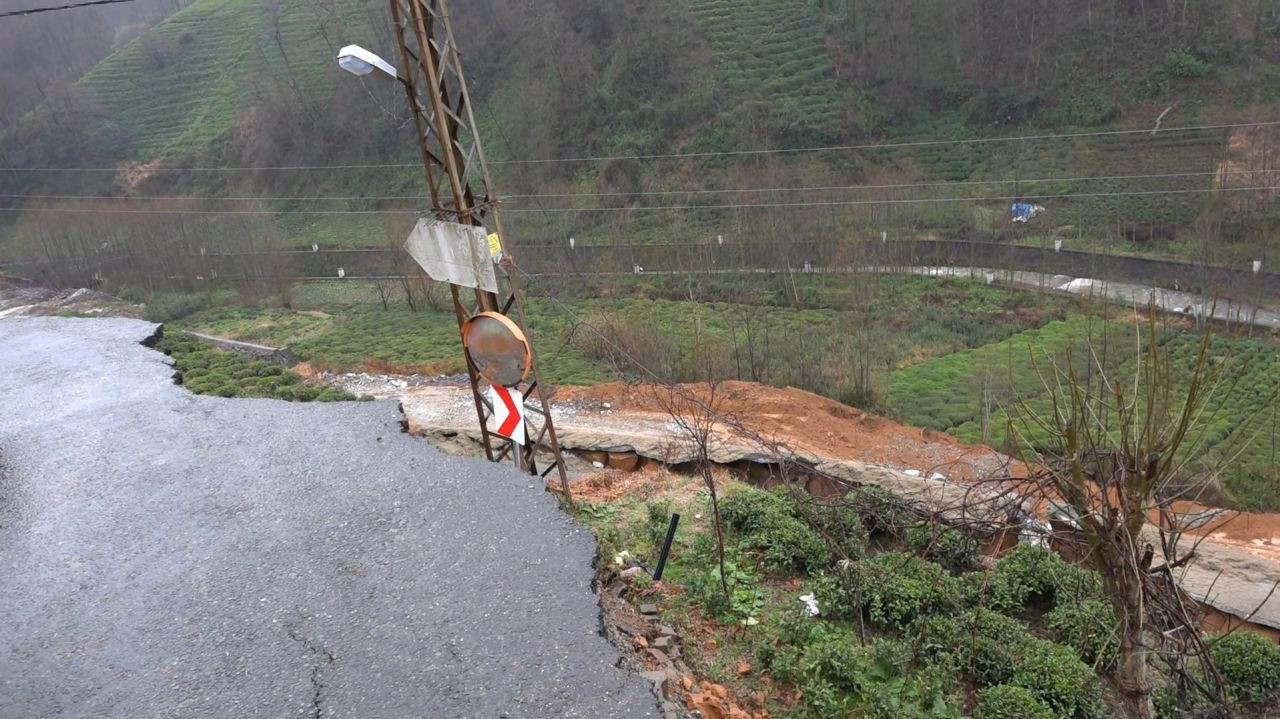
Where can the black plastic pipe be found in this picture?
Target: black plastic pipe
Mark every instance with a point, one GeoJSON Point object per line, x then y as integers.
{"type": "Point", "coordinates": [666, 547]}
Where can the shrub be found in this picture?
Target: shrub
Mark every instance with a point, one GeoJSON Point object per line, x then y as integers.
{"type": "Point", "coordinates": [751, 509]}
{"type": "Point", "coordinates": [839, 678]}
{"type": "Point", "coordinates": [765, 525]}
{"type": "Point", "coordinates": [839, 661]}
{"type": "Point", "coordinates": [1250, 664]}
{"type": "Point", "coordinates": [834, 599]}
{"type": "Point", "coordinates": [789, 545]}
{"type": "Point", "coordinates": [883, 512]}
{"type": "Point", "coordinates": [840, 524]}
{"type": "Point", "coordinates": [1181, 62]}
{"type": "Point", "coordinates": [1089, 627]}
{"type": "Point", "coordinates": [701, 564]}
{"type": "Point", "coordinates": [1031, 576]}
{"type": "Point", "coordinates": [205, 369]}
{"type": "Point", "coordinates": [990, 644]}
{"type": "Point", "coordinates": [1027, 575]}
{"type": "Point", "coordinates": [1009, 702]}
{"type": "Point", "coordinates": [1088, 108]}
{"type": "Point", "coordinates": [164, 307]}
{"type": "Point", "coordinates": [948, 546]}
{"type": "Point", "coordinates": [1058, 678]}
{"type": "Point", "coordinates": [896, 587]}
{"type": "Point", "coordinates": [975, 588]}
{"type": "Point", "coordinates": [936, 637]}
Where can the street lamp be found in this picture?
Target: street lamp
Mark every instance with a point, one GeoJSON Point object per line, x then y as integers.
{"type": "Point", "coordinates": [359, 61]}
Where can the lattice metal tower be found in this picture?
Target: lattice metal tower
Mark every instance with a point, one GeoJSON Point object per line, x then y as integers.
{"type": "Point", "coordinates": [462, 191]}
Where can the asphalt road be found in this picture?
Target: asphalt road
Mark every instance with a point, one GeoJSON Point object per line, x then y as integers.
{"type": "Point", "coordinates": [168, 555]}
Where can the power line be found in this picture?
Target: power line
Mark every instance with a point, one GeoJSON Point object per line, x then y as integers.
{"type": "Point", "coordinates": [688, 155]}
{"type": "Point", "coordinates": [760, 205]}
{"type": "Point", "coordinates": [71, 6]}
{"type": "Point", "coordinates": [652, 193]}
{"type": "Point", "coordinates": [908, 185]}
{"type": "Point", "coordinates": [895, 145]}
{"type": "Point", "coordinates": [900, 201]}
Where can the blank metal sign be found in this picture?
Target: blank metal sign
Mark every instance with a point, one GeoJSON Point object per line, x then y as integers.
{"type": "Point", "coordinates": [450, 252]}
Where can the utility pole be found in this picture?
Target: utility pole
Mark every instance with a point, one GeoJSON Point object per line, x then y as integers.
{"type": "Point", "coordinates": [461, 191]}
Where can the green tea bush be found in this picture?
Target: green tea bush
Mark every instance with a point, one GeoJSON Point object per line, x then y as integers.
{"type": "Point", "coordinates": [1058, 678]}
{"type": "Point", "coordinates": [1009, 702]}
{"type": "Point", "coordinates": [751, 510]}
{"type": "Point", "coordinates": [937, 638]}
{"type": "Point", "coordinates": [1088, 108]}
{"type": "Point", "coordinates": [1031, 576]}
{"type": "Point", "coordinates": [205, 369]}
{"type": "Point", "coordinates": [1250, 664]}
{"type": "Point", "coordinates": [1089, 627]}
{"type": "Point", "coordinates": [994, 650]}
{"type": "Point", "coordinates": [896, 587]}
{"type": "Point", "coordinates": [838, 677]}
{"type": "Point", "coordinates": [839, 523]}
{"type": "Point", "coordinates": [883, 512]}
{"type": "Point", "coordinates": [1027, 575]}
{"type": "Point", "coordinates": [763, 524]}
{"type": "Point", "coordinates": [989, 645]}
{"type": "Point", "coordinates": [948, 546]}
{"type": "Point", "coordinates": [834, 599]}
{"type": "Point", "coordinates": [789, 545]}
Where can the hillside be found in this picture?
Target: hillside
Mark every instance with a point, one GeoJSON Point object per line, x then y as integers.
{"type": "Point", "coordinates": [42, 53]}
{"type": "Point", "coordinates": [252, 83]}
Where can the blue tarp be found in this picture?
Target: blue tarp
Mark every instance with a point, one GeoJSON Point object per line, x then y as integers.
{"type": "Point", "coordinates": [1022, 211]}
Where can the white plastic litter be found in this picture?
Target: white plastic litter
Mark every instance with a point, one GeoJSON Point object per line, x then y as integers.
{"type": "Point", "coordinates": [810, 604]}
{"type": "Point", "coordinates": [912, 473]}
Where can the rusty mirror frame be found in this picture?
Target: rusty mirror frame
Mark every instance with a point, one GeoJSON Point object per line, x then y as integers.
{"type": "Point", "coordinates": [498, 348]}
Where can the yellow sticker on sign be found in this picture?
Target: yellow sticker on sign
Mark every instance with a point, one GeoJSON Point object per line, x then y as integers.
{"type": "Point", "coordinates": [495, 245]}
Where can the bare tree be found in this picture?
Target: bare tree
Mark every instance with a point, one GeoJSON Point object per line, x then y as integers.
{"type": "Point", "coordinates": [695, 420]}
{"type": "Point", "coordinates": [1115, 450]}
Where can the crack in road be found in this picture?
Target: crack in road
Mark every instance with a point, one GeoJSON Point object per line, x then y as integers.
{"type": "Point", "coordinates": [326, 658]}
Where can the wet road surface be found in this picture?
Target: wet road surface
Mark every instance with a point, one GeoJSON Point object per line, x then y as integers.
{"type": "Point", "coordinates": [168, 555]}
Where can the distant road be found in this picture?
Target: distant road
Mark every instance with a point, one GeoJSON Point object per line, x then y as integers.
{"type": "Point", "coordinates": [1237, 281]}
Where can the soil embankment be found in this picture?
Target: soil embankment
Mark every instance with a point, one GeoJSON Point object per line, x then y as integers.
{"type": "Point", "coordinates": [1234, 570]}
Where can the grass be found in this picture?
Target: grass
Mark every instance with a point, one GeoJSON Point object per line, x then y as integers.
{"type": "Point", "coordinates": [1235, 438]}
{"type": "Point", "coordinates": [205, 369]}
{"type": "Point", "coordinates": [947, 392]}
{"type": "Point", "coordinates": [343, 231]}
{"type": "Point", "coordinates": [341, 326]}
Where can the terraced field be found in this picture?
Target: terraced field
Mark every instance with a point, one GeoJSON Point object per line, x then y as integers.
{"type": "Point", "coordinates": [773, 49]}
{"type": "Point", "coordinates": [181, 86]}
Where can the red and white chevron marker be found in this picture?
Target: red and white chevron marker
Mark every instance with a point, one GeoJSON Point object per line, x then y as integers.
{"type": "Point", "coordinates": [508, 413]}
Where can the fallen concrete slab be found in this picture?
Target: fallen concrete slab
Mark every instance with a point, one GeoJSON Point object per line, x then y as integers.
{"type": "Point", "coordinates": [166, 554]}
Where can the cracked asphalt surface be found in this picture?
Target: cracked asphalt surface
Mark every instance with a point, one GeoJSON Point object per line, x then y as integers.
{"type": "Point", "coordinates": [169, 555]}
